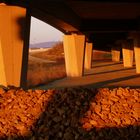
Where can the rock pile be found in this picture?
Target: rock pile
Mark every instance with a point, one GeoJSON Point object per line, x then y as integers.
{"type": "Point", "coordinates": [70, 114]}
{"type": "Point", "coordinates": [111, 108]}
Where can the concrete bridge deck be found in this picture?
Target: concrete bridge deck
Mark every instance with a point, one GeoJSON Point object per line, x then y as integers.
{"type": "Point", "coordinates": [108, 26]}
{"type": "Point", "coordinates": [102, 74]}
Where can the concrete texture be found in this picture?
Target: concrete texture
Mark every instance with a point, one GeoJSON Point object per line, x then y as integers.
{"type": "Point", "coordinates": [115, 54]}
{"type": "Point", "coordinates": [137, 53]}
{"type": "Point", "coordinates": [74, 54]}
{"type": "Point", "coordinates": [102, 74]}
{"type": "Point", "coordinates": [13, 44]}
{"type": "Point", "coordinates": [88, 56]}
{"type": "Point", "coordinates": [127, 51]}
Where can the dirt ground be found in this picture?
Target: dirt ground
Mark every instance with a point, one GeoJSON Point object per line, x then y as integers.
{"type": "Point", "coordinates": [70, 114]}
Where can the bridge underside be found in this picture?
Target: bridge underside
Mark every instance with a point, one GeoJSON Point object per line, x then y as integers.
{"type": "Point", "coordinates": [98, 19]}
{"type": "Point", "coordinates": [107, 24]}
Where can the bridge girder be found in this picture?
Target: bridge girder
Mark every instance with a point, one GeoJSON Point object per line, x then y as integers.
{"type": "Point", "coordinates": [89, 17]}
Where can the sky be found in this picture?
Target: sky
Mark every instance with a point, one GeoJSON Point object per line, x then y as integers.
{"type": "Point", "coordinates": [42, 32]}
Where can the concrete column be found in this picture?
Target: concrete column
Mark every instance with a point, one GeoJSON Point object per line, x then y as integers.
{"type": "Point", "coordinates": [88, 56]}
{"type": "Point", "coordinates": [137, 52]}
{"type": "Point", "coordinates": [115, 54]}
{"type": "Point", "coordinates": [74, 54]}
{"type": "Point", "coordinates": [14, 42]}
{"type": "Point", "coordinates": [127, 51]}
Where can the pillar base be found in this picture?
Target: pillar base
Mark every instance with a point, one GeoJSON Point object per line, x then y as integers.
{"type": "Point", "coordinates": [14, 43]}
{"type": "Point", "coordinates": [127, 51]}
{"type": "Point", "coordinates": [137, 52]}
{"type": "Point", "coordinates": [88, 56]}
{"type": "Point", "coordinates": [74, 54]}
{"type": "Point", "coordinates": [115, 54]}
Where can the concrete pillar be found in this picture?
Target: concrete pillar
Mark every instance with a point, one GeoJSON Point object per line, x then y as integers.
{"type": "Point", "coordinates": [14, 42]}
{"type": "Point", "coordinates": [115, 54]}
{"type": "Point", "coordinates": [88, 56]}
{"type": "Point", "coordinates": [137, 52]}
{"type": "Point", "coordinates": [74, 54]}
{"type": "Point", "coordinates": [127, 51]}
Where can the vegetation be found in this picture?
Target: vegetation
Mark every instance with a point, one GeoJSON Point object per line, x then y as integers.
{"type": "Point", "coordinates": [51, 66]}
{"type": "Point", "coordinates": [56, 53]}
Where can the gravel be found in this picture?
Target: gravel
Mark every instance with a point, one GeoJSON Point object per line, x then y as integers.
{"type": "Point", "coordinates": [70, 114]}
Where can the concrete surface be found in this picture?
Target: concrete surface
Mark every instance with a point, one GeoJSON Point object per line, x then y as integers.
{"type": "Point", "coordinates": [102, 74]}
{"type": "Point", "coordinates": [74, 54]}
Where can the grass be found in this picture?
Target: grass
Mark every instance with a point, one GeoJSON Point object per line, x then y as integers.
{"type": "Point", "coordinates": [56, 53]}
{"type": "Point", "coordinates": [40, 72]}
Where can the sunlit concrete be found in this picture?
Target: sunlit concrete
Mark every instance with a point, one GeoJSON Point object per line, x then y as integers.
{"type": "Point", "coordinates": [137, 52]}
{"type": "Point", "coordinates": [74, 54]}
{"type": "Point", "coordinates": [115, 54]}
{"type": "Point", "coordinates": [14, 36]}
{"type": "Point", "coordinates": [88, 55]}
{"type": "Point", "coordinates": [127, 51]}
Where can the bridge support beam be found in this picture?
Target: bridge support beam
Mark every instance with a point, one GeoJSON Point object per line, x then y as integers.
{"type": "Point", "coordinates": [127, 51]}
{"type": "Point", "coordinates": [137, 52]}
{"type": "Point", "coordinates": [14, 42]}
{"type": "Point", "coordinates": [74, 54]}
{"type": "Point", "coordinates": [115, 54]}
{"type": "Point", "coordinates": [88, 56]}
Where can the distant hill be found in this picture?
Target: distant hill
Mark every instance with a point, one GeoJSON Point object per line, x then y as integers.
{"type": "Point", "coordinates": [43, 45]}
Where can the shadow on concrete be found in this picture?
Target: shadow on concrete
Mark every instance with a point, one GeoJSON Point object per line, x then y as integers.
{"type": "Point", "coordinates": [124, 69]}
{"type": "Point", "coordinates": [125, 81]}
{"type": "Point", "coordinates": [104, 65]}
{"type": "Point", "coordinates": [72, 107]}
{"type": "Point", "coordinates": [24, 35]}
{"type": "Point", "coordinates": [21, 22]}
{"type": "Point", "coordinates": [106, 82]}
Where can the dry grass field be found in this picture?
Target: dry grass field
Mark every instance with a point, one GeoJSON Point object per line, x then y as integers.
{"type": "Point", "coordinates": [46, 66]}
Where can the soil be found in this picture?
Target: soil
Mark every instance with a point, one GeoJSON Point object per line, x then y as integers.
{"type": "Point", "coordinates": [70, 114]}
